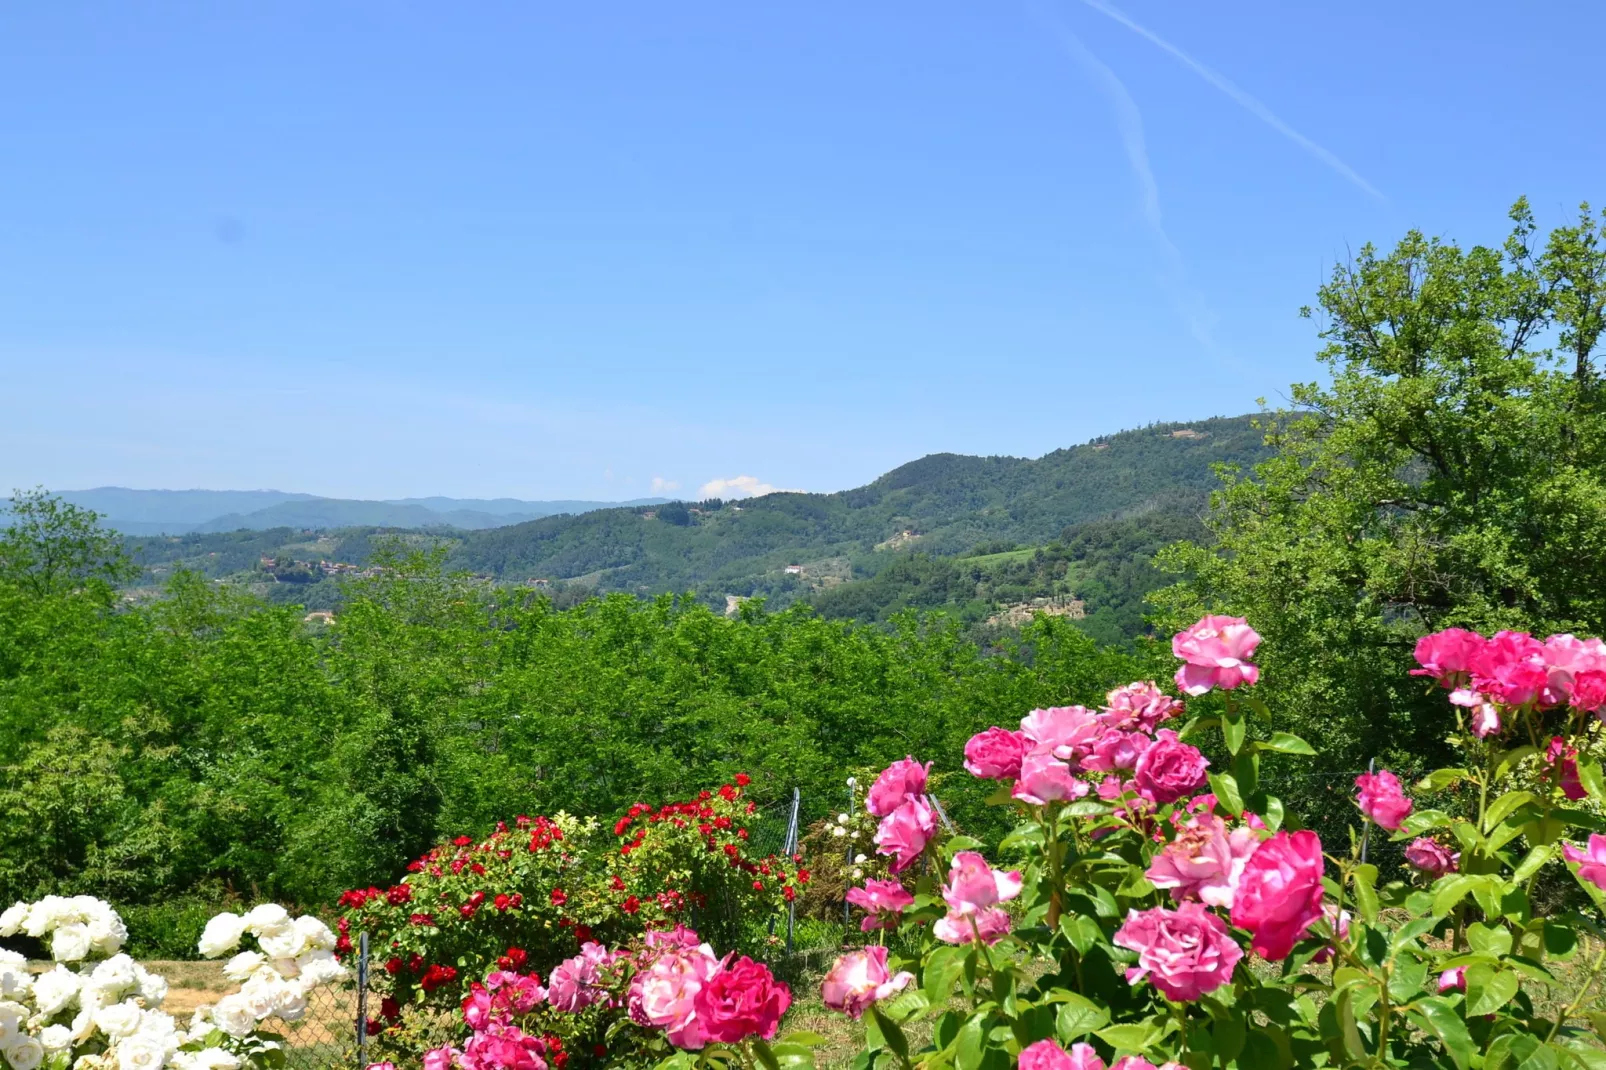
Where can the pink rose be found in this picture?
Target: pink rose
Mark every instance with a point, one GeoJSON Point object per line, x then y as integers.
{"type": "Point", "coordinates": [995, 754]}
{"type": "Point", "coordinates": [991, 924]}
{"type": "Point", "coordinates": [1136, 1062]}
{"type": "Point", "coordinates": [1447, 656]}
{"type": "Point", "coordinates": [575, 982]}
{"type": "Point", "coordinates": [973, 885]}
{"type": "Point", "coordinates": [1563, 761]}
{"type": "Point", "coordinates": [860, 978]}
{"type": "Point", "coordinates": [1068, 732]}
{"type": "Point", "coordinates": [1591, 862]}
{"type": "Point", "coordinates": [1382, 799]}
{"type": "Point", "coordinates": [1511, 669]}
{"type": "Point", "coordinates": [1186, 952]}
{"type": "Point", "coordinates": [1114, 750]}
{"type": "Point", "coordinates": [885, 900]}
{"type": "Point", "coordinates": [1215, 653]}
{"type": "Point", "coordinates": [1432, 857]}
{"type": "Point", "coordinates": [1485, 714]}
{"type": "Point", "coordinates": [1169, 769]}
{"type": "Point", "coordinates": [1048, 1055]}
{"type": "Point", "coordinates": [440, 1058]}
{"type": "Point", "coordinates": [665, 995]}
{"type": "Point", "coordinates": [509, 1049]}
{"type": "Point", "coordinates": [904, 832]}
{"type": "Point", "coordinates": [1139, 707]}
{"type": "Point", "coordinates": [679, 936]}
{"type": "Point", "coordinates": [1204, 862]}
{"type": "Point", "coordinates": [1453, 980]}
{"type": "Point", "coordinates": [477, 1007]}
{"type": "Point", "coordinates": [1566, 658]}
{"type": "Point", "coordinates": [742, 999]}
{"type": "Point", "coordinates": [903, 779]}
{"type": "Point", "coordinates": [1045, 779]}
{"type": "Point", "coordinates": [1280, 892]}
{"type": "Point", "coordinates": [1589, 692]}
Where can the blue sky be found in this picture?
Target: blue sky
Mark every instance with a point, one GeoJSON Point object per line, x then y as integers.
{"type": "Point", "coordinates": [377, 250]}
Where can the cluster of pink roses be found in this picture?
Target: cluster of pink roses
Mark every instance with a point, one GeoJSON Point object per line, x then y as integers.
{"type": "Point", "coordinates": [1054, 745]}
{"type": "Point", "coordinates": [898, 798]}
{"type": "Point", "coordinates": [1513, 671]}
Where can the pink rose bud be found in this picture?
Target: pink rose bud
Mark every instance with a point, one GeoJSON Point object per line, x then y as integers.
{"type": "Point", "coordinates": [1382, 799]}
{"type": "Point", "coordinates": [1453, 980]}
{"type": "Point", "coordinates": [1431, 856]}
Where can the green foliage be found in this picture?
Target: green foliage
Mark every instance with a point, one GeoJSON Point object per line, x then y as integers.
{"type": "Point", "coordinates": [167, 929]}
{"type": "Point", "coordinates": [1451, 474]}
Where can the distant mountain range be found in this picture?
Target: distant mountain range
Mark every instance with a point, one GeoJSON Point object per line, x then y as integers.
{"type": "Point", "coordinates": [179, 512]}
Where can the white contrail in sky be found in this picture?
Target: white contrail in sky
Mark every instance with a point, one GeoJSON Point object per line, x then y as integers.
{"type": "Point", "coordinates": [1129, 123]}
{"type": "Point", "coordinates": [1249, 103]}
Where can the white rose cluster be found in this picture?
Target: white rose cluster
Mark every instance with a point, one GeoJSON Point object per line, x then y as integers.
{"type": "Point", "coordinates": [106, 1014]}
{"type": "Point", "coordinates": [292, 957]}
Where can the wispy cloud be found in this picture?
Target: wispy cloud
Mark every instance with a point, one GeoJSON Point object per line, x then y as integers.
{"type": "Point", "coordinates": [1247, 102]}
{"type": "Point", "coordinates": [660, 485]}
{"type": "Point", "coordinates": [740, 487]}
{"type": "Point", "coordinates": [1189, 303]}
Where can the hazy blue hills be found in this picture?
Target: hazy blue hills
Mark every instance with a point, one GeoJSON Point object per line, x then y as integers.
{"type": "Point", "coordinates": [177, 512]}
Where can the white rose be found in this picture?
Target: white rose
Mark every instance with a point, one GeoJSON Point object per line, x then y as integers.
{"type": "Point", "coordinates": [44, 915]}
{"type": "Point", "coordinates": [140, 1053]}
{"type": "Point", "coordinates": [70, 943]}
{"type": "Point", "coordinates": [319, 968]}
{"type": "Point", "coordinates": [92, 1061]}
{"type": "Point", "coordinates": [243, 965]}
{"type": "Point", "coordinates": [107, 932]}
{"type": "Point", "coordinates": [234, 1017]}
{"type": "Point", "coordinates": [201, 1020]}
{"type": "Point", "coordinates": [841, 819]}
{"type": "Point", "coordinates": [55, 1038]}
{"type": "Point", "coordinates": [222, 933]}
{"type": "Point", "coordinates": [858, 860]}
{"type": "Point", "coordinates": [267, 918]}
{"type": "Point", "coordinates": [26, 1053]}
{"type": "Point", "coordinates": [115, 975]}
{"type": "Point", "coordinates": [215, 1059]}
{"type": "Point", "coordinates": [11, 1017]}
{"type": "Point", "coordinates": [283, 944]}
{"type": "Point", "coordinates": [858, 874]}
{"type": "Point", "coordinates": [838, 831]}
{"type": "Point", "coordinates": [12, 918]}
{"type": "Point", "coordinates": [314, 933]}
{"type": "Point", "coordinates": [15, 980]}
{"type": "Point", "coordinates": [119, 1020]}
{"type": "Point", "coordinates": [261, 994]}
{"type": "Point", "coordinates": [152, 987]}
{"type": "Point", "coordinates": [54, 990]}
{"type": "Point", "coordinates": [292, 1004]}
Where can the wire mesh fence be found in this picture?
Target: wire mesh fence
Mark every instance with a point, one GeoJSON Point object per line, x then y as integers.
{"type": "Point", "coordinates": [326, 1035]}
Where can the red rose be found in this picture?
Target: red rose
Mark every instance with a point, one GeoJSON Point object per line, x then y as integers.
{"type": "Point", "coordinates": [742, 780]}
{"type": "Point", "coordinates": [558, 898]}
{"type": "Point", "coordinates": [393, 966]}
{"type": "Point", "coordinates": [582, 934]}
{"type": "Point", "coordinates": [462, 841]}
{"type": "Point", "coordinates": [741, 999]}
{"type": "Point", "coordinates": [389, 1008]}
{"type": "Point", "coordinates": [503, 901]}
{"type": "Point", "coordinates": [630, 905]}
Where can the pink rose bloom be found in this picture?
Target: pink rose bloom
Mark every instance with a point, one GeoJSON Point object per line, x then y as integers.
{"type": "Point", "coordinates": [1485, 714]}
{"type": "Point", "coordinates": [992, 924]}
{"type": "Point", "coordinates": [1186, 952]}
{"type": "Point", "coordinates": [903, 779]}
{"type": "Point", "coordinates": [860, 978]}
{"type": "Point", "coordinates": [1511, 669]}
{"type": "Point", "coordinates": [1114, 750]}
{"type": "Point", "coordinates": [1048, 1055]}
{"type": "Point", "coordinates": [1566, 658]}
{"type": "Point", "coordinates": [995, 754]}
{"type": "Point", "coordinates": [507, 1050]}
{"type": "Point", "coordinates": [665, 995]}
{"type": "Point", "coordinates": [679, 936]}
{"type": "Point", "coordinates": [1447, 656]}
{"type": "Point", "coordinates": [1139, 707]}
{"type": "Point", "coordinates": [1563, 761]}
{"type": "Point", "coordinates": [1382, 799]}
{"type": "Point", "coordinates": [1068, 732]}
{"type": "Point", "coordinates": [742, 999]}
{"type": "Point", "coordinates": [574, 982]}
{"type": "Point", "coordinates": [1591, 862]}
{"type": "Point", "coordinates": [1170, 769]}
{"type": "Point", "coordinates": [477, 1007]}
{"type": "Point", "coordinates": [440, 1058]}
{"type": "Point", "coordinates": [1215, 653]}
{"type": "Point", "coordinates": [1045, 779]}
{"type": "Point", "coordinates": [1589, 692]}
{"type": "Point", "coordinates": [904, 832]}
{"type": "Point", "coordinates": [1280, 892]}
{"type": "Point", "coordinates": [973, 885]}
{"type": "Point", "coordinates": [382, 1066]}
{"type": "Point", "coordinates": [1453, 980]}
{"type": "Point", "coordinates": [885, 900]}
{"type": "Point", "coordinates": [1204, 862]}
{"type": "Point", "coordinates": [1432, 857]}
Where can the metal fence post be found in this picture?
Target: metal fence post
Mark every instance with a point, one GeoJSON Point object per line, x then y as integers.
{"type": "Point", "coordinates": [362, 1001]}
{"type": "Point", "coordinates": [847, 909]}
{"type": "Point", "coordinates": [791, 850]}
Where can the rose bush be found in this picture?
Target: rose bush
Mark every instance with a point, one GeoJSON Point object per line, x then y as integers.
{"type": "Point", "coordinates": [532, 895]}
{"type": "Point", "coordinates": [1153, 907]}
{"type": "Point", "coordinates": [107, 1015]}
